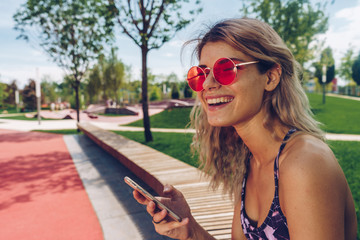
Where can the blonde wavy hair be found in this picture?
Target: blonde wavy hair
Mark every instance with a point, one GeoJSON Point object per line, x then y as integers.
{"type": "Point", "coordinates": [222, 153]}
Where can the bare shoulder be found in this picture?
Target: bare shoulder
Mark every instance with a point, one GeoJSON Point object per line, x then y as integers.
{"type": "Point", "coordinates": [312, 188]}
{"type": "Point", "coordinates": [307, 157]}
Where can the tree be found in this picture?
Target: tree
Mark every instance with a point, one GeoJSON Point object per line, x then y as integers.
{"type": "Point", "coordinates": [10, 92]}
{"type": "Point", "coordinates": [71, 32]}
{"type": "Point", "coordinates": [93, 86]}
{"type": "Point", "coordinates": [150, 24]}
{"type": "Point", "coordinates": [296, 21]}
{"type": "Point", "coordinates": [328, 61]}
{"type": "Point", "coordinates": [3, 94]}
{"type": "Point", "coordinates": [356, 70]}
{"type": "Point", "coordinates": [187, 91]}
{"type": "Point", "coordinates": [175, 91]}
{"type": "Point", "coordinates": [155, 93]}
{"type": "Point", "coordinates": [29, 96]}
{"type": "Point", "coordinates": [49, 90]}
{"type": "Point", "coordinates": [345, 69]}
{"type": "Point", "coordinates": [114, 75]}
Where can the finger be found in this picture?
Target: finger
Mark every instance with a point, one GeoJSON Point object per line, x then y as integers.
{"type": "Point", "coordinates": [163, 229]}
{"type": "Point", "coordinates": [160, 216]}
{"type": "Point", "coordinates": [171, 192]}
{"type": "Point", "coordinates": [150, 208]}
{"type": "Point", "coordinates": [140, 198]}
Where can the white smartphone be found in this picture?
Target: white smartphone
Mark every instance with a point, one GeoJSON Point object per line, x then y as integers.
{"type": "Point", "coordinates": [150, 197]}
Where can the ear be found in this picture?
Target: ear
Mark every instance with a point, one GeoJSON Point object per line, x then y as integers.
{"type": "Point", "coordinates": [273, 78]}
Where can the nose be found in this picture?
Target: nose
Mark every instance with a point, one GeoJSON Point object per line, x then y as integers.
{"type": "Point", "coordinates": [210, 82]}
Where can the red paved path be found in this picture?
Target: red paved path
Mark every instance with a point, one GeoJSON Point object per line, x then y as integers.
{"type": "Point", "coordinates": [41, 194]}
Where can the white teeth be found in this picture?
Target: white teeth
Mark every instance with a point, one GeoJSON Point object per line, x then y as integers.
{"type": "Point", "coordinates": [219, 100]}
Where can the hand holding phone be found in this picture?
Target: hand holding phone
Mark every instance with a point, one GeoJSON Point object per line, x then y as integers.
{"type": "Point", "coordinates": [150, 197]}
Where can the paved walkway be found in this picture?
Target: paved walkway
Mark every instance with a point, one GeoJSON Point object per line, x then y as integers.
{"type": "Point", "coordinates": [66, 187]}
{"type": "Point", "coordinates": [120, 216]}
{"type": "Point", "coordinates": [41, 193]}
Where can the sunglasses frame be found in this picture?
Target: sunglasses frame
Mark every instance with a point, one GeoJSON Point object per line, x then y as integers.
{"type": "Point", "coordinates": [204, 70]}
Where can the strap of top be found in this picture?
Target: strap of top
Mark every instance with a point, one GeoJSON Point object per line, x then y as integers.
{"type": "Point", "coordinates": [287, 136]}
{"type": "Point", "coordinates": [276, 163]}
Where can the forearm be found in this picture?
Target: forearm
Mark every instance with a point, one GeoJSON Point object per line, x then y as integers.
{"type": "Point", "coordinates": [198, 232]}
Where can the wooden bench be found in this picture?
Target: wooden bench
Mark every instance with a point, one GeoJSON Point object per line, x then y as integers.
{"type": "Point", "coordinates": [212, 210]}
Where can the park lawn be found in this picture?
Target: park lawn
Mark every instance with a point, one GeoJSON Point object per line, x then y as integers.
{"type": "Point", "coordinates": [338, 115]}
{"type": "Point", "coordinates": [169, 118]}
{"type": "Point", "coordinates": [61, 131]}
{"type": "Point", "coordinates": [9, 110]}
{"type": "Point", "coordinates": [22, 117]}
{"type": "Point", "coordinates": [177, 145]}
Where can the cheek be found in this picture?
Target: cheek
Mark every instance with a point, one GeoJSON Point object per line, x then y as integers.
{"type": "Point", "coordinates": [202, 100]}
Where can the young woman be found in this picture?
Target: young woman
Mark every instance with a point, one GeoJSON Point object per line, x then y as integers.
{"type": "Point", "coordinates": [255, 136]}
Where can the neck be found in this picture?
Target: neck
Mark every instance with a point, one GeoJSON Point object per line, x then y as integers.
{"type": "Point", "coordinates": [262, 143]}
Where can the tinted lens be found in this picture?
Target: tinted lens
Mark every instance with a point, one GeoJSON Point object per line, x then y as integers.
{"type": "Point", "coordinates": [196, 77]}
{"type": "Point", "coordinates": [224, 71]}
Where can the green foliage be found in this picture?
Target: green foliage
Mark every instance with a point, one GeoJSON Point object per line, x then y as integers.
{"type": "Point", "coordinates": [107, 77]}
{"type": "Point", "coordinates": [3, 94]}
{"type": "Point", "coordinates": [346, 64]}
{"type": "Point", "coordinates": [338, 115]}
{"type": "Point", "coordinates": [356, 70]}
{"type": "Point", "coordinates": [297, 22]}
{"type": "Point", "coordinates": [65, 89]}
{"type": "Point", "coordinates": [71, 32]}
{"type": "Point", "coordinates": [29, 96]}
{"type": "Point", "coordinates": [93, 86]}
{"type": "Point", "coordinates": [326, 59]}
{"type": "Point", "coordinates": [113, 75]}
{"type": "Point", "coordinates": [188, 92]}
{"type": "Point", "coordinates": [169, 118]}
{"type": "Point", "coordinates": [48, 91]}
{"type": "Point", "coordinates": [175, 94]}
{"type": "Point", "coordinates": [155, 93]}
{"type": "Point", "coordinates": [9, 97]}
{"type": "Point", "coordinates": [150, 24]}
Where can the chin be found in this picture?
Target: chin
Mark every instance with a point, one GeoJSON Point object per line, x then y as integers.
{"type": "Point", "coordinates": [219, 123]}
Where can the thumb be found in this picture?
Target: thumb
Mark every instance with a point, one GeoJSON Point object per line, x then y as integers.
{"type": "Point", "coordinates": [171, 192]}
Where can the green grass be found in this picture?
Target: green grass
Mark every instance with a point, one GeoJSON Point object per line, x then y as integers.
{"type": "Point", "coordinates": [61, 131]}
{"type": "Point", "coordinates": [22, 117]}
{"type": "Point", "coordinates": [348, 155]}
{"type": "Point", "coordinates": [9, 110]}
{"type": "Point", "coordinates": [169, 118]}
{"type": "Point", "coordinates": [176, 145]}
{"type": "Point", "coordinates": [337, 114]}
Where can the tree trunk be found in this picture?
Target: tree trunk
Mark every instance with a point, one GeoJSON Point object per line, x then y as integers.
{"type": "Point", "coordinates": [77, 83]}
{"type": "Point", "coordinates": [145, 104]}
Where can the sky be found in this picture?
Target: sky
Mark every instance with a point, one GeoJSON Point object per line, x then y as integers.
{"type": "Point", "coordinates": [21, 61]}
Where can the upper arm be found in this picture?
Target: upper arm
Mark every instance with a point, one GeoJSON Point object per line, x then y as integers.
{"type": "Point", "coordinates": [312, 194]}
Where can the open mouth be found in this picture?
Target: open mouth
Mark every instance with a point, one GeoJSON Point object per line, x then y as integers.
{"type": "Point", "coordinates": [219, 101]}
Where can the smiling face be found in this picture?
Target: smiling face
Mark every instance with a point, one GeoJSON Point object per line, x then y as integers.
{"type": "Point", "coordinates": [238, 103]}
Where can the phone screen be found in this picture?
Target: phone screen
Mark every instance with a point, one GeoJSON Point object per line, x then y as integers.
{"type": "Point", "coordinates": [150, 197]}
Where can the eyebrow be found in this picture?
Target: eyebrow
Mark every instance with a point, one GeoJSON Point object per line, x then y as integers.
{"type": "Point", "coordinates": [232, 58]}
